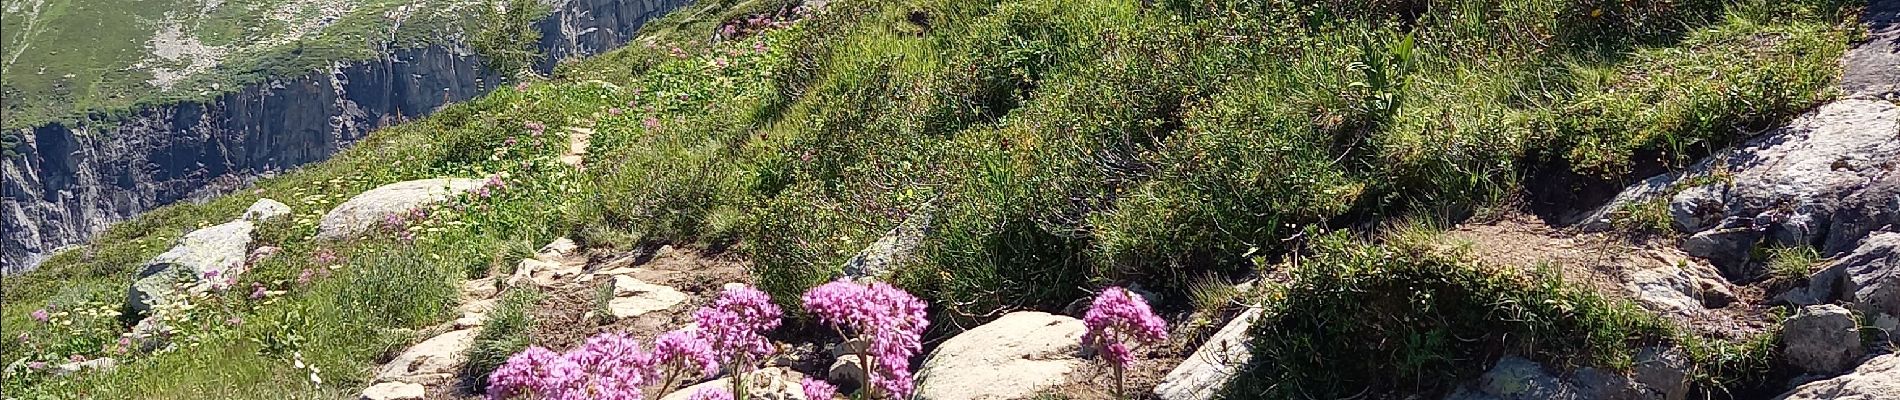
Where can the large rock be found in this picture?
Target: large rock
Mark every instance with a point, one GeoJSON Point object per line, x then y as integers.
{"type": "Point", "coordinates": [1868, 279]}
{"type": "Point", "coordinates": [394, 391]}
{"type": "Point", "coordinates": [1683, 286]}
{"type": "Point", "coordinates": [764, 384]}
{"type": "Point", "coordinates": [894, 247]}
{"type": "Point", "coordinates": [1013, 357]}
{"type": "Point", "coordinates": [1664, 372]}
{"type": "Point", "coordinates": [433, 360]}
{"type": "Point", "coordinates": [633, 297]}
{"type": "Point", "coordinates": [1515, 378]}
{"type": "Point", "coordinates": [1871, 69]}
{"type": "Point", "coordinates": [369, 208]}
{"type": "Point", "coordinates": [265, 209]}
{"type": "Point", "coordinates": [1822, 339]}
{"type": "Point", "coordinates": [1878, 379]}
{"type": "Point", "coordinates": [1789, 187]}
{"type": "Point", "coordinates": [1661, 374]}
{"type": "Point", "coordinates": [219, 250]}
{"type": "Point", "coordinates": [1205, 373]}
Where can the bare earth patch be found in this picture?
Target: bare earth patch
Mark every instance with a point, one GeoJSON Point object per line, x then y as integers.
{"type": "Point", "coordinates": [1617, 265]}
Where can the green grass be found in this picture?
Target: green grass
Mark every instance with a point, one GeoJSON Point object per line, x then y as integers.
{"type": "Point", "coordinates": [1420, 319]}
{"type": "Point", "coordinates": [1060, 144]}
{"type": "Point", "coordinates": [504, 332]}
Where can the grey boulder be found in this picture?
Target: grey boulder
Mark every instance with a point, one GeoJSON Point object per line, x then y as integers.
{"type": "Point", "coordinates": [369, 208]}
{"type": "Point", "coordinates": [1822, 339]}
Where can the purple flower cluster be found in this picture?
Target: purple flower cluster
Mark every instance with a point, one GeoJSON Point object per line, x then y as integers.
{"type": "Point", "coordinates": [818, 390]}
{"type": "Point", "coordinates": [1117, 317]}
{"type": "Point", "coordinates": [892, 320]}
{"type": "Point", "coordinates": [609, 366]}
{"type": "Point", "coordinates": [735, 326]}
{"type": "Point", "coordinates": [41, 316]}
{"type": "Point", "coordinates": [535, 370]}
{"type": "Point", "coordinates": [679, 353]}
{"type": "Point", "coordinates": [711, 393]}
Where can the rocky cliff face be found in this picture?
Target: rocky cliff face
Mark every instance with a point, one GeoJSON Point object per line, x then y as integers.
{"type": "Point", "coordinates": [71, 182]}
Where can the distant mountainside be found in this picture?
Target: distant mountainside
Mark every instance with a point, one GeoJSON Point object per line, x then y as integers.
{"type": "Point", "coordinates": [108, 119]}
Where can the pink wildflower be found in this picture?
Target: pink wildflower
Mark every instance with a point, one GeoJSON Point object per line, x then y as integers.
{"type": "Point", "coordinates": [325, 256]}
{"type": "Point", "coordinates": [612, 367]}
{"type": "Point", "coordinates": [41, 315]}
{"type": "Point", "coordinates": [892, 320]}
{"type": "Point", "coordinates": [711, 393]}
{"type": "Point", "coordinates": [303, 278]}
{"type": "Point", "coordinates": [818, 390]}
{"type": "Point", "coordinates": [78, 358]}
{"type": "Point", "coordinates": [521, 86]}
{"type": "Point", "coordinates": [535, 370]}
{"type": "Point", "coordinates": [651, 123]}
{"type": "Point", "coordinates": [613, 111]}
{"type": "Point", "coordinates": [1116, 318]}
{"type": "Point", "coordinates": [257, 291]}
{"type": "Point", "coordinates": [36, 365]}
{"type": "Point", "coordinates": [735, 326]}
{"type": "Point", "coordinates": [678, 353]}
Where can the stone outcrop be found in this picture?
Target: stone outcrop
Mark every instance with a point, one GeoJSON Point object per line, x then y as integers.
{"type": "Point", "coordinates": [369, 208]}
{"type": "Point", "coordinates": [1821, 339]}
{"type": "Point", "coordinates": [1206, 372]}
{"type": "Point", "coordinates": [434, 360]}
{"type": "Point", "coordinates": [1877, 379]}
{"type": "Point", "coordinates": [200, 260]}
{"type": "Point", "coordinates": [71, 181]}
{"type": "Point", "coordinates": [1825, 180]}
{"type": "Point", "coordinates": [1867, 279]}
{"type": "Point", "coordinates": [894, 247]}
{"type": "Point", "coordinates": [1796, 186]}
{"type": "Point", "coordinates": [1013, 357]}
{"type": "Point", "coordinates": [633, 297]}
{"type": "Point", "coordinates": [1661, 374]}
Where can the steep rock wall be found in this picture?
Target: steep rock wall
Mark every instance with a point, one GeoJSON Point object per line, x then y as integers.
{"type": "Point", "coordinates": [71, 182]}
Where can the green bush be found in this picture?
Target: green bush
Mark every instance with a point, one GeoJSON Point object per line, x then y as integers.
{"type": "Point", "coordinates": [505, 332]}
{"type": "Point", "coordinates": [1421, 321]}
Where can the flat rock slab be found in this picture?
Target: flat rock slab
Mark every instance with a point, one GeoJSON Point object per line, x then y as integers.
{"type": "Point", "coordinates": [367, 209]}
{"type": "Point", "coordinates": [633, 297]}
{"type": "Point", "coordinates": [1013, 357]}
{"type": "Point", "coordinates": [1877, 379]}
{"type": "Point", "coordinates": [394, 391]}
{"type": "Point", "coordinates": [1205, 373]}
{"type": "Point", "coordinates": [433, 360]}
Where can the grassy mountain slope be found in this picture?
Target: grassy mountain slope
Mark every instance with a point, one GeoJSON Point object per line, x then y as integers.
{"type": "Point", "coordinates": [67, 59]}
{"type": "Point", "coordinates": [1062, 145]}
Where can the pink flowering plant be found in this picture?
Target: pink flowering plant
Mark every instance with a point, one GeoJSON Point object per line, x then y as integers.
{"type": "Point", "coordinates": [1117, 321]}
{"type": "Point", "coordinates": [678, 357]}
{"type": "Point", "coordinates": [609, 366]}
{"type": "Point", "coordinates": [890, 321]}
{"type": "Point", "coordinates": [734, 326]}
